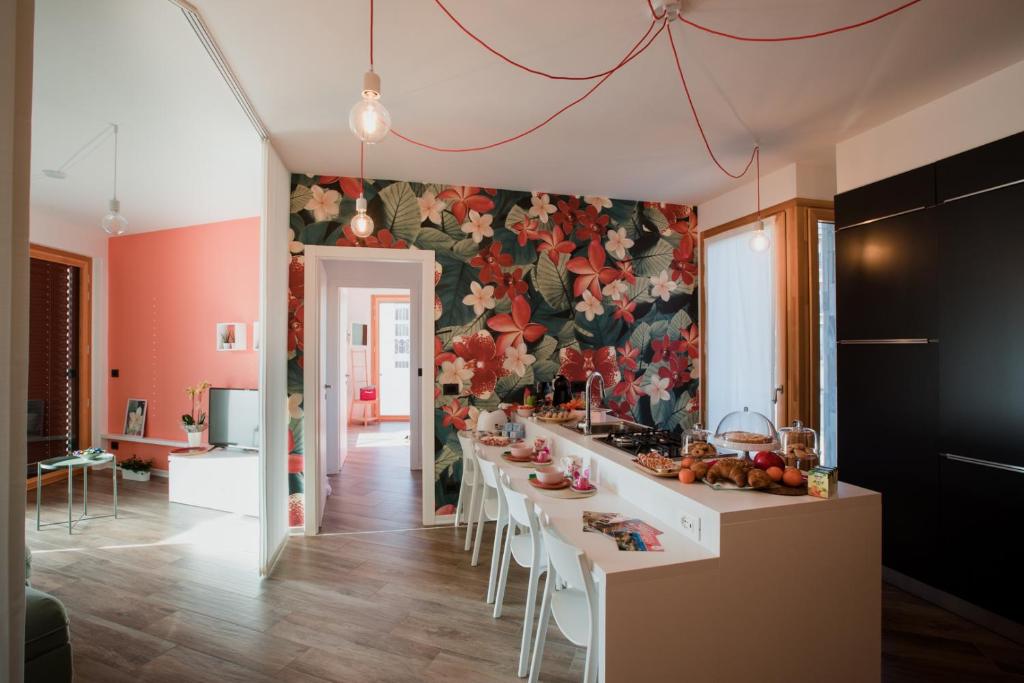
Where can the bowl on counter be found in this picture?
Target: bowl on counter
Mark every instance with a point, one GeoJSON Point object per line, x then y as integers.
{"type": "Point", "coordinates": [549, 474]}
{"type": "Point", "coordinates": [524, 411]}
{"type": "Point", "coordinates": [521, 449]}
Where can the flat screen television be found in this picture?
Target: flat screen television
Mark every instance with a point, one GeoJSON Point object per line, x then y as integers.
{"type": "Point", "coordinates": [235, 418]}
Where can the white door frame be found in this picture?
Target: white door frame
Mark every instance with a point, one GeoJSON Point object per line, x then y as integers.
{"type": "Point", "coordinates": [315, 256]}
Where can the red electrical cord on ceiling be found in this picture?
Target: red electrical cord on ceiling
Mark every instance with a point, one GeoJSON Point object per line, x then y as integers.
{"type": "Point", "coordinates": [546, 121]}
{"type": "Point", "coordinates": [782, 39]}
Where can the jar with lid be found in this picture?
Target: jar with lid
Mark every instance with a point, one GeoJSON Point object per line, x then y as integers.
{"type": "Point", "coordinates": [696, 443]}
{"type": "Point", "coordinates": [800, 446]}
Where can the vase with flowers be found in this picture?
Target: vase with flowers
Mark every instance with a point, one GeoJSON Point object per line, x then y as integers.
{"type": "Point", "coordinates": [194, 422]}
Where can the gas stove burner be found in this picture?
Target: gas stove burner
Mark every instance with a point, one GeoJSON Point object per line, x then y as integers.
{"type": "Point", "coordinates": [667, 443]}
{"type": "Point", "coordinates": [624, 439]}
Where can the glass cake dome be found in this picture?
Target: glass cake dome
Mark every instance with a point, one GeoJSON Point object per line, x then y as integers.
{"type": "Point", "coordinates": [697, 442]}
{"type": "Point", "coordinates": [746, 430]}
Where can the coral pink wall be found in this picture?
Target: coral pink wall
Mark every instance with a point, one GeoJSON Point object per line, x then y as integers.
{"type": "Point", "coordinates": [167, 292]}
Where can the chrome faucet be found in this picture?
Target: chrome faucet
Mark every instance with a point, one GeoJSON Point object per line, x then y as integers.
{"type": "Point", "coordinates": [588, 400]}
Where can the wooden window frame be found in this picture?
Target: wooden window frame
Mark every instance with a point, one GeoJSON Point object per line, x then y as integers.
{"type": "Point", "coordinates": [375, 301]}
{"type": "Point", "coordinates": [795, 237]}
{"type": "Point", "coordinates": [84, 265]}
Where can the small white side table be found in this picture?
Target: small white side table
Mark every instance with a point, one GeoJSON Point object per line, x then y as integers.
{"type": "Point", "coordinates": [71, 463]}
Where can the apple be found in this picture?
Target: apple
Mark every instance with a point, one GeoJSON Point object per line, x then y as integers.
{"type": "Point", "coordinates": [765, 459]}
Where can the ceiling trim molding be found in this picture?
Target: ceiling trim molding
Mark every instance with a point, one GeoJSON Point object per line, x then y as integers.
{"type": "Point", "coordinates": [202, 32]}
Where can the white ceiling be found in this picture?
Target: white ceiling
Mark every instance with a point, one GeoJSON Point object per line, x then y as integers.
{"type": "Point", "coordinates": [302, 61]}
{"type": "Point", "coordinates": [188, 155]}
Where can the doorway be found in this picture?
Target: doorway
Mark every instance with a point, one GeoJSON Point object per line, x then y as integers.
{"type": "Point", "coordinates": [391, 345]}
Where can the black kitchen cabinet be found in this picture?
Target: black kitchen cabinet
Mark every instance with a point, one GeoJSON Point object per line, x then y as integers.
{"type": "Point", "coordinates": [988, 166]}
{"type": "Point", "coordinates": [887, 403]}
{"type": "Point", "coordinates": [887, 275]}
{"type": "Point", "coordinates": [979, 542]}
{"type": "Point", "coordinates": [981, 404]}
{"type": "Point", "coordinates": [904, 192]}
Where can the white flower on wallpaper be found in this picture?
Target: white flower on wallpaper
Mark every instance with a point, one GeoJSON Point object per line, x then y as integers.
{"type": "Point", "coordinates": [590, 306]}
{"type": "Point", "coordinates": [478, 227]}
{"type": "Point", "coordinates": [325, 204]}
{"type": "Point", "coordinates": [431, 207]}
{"type": "Point", "coordinates": [618, 242]}
{"type": "Point", "coordinates": [658, 389]}
{"type": "Point", "coordinates": [294, 246]}
{"type": "Point", "coordinates": [480, 297]}
{"type": "Point", "coordinates": [615, 289]}
{"type": "Point", "coordinates": [598, 202]}
{"type": "Point", "coordinates": [517, 359]}
{"type": "Point", "coordinates": [662, 285]}
{"type": "Point", "coordinates": [455, 372]}
{"type": "Point", "coordinates": [541, 206]}
{"type": "Point", "coordinates": [295, 406]}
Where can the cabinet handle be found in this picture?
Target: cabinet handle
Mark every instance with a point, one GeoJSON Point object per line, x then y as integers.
{"type": "Point", "coordinates": [984, 463]}
{"type": "Point", "coordinates": [889, 341]}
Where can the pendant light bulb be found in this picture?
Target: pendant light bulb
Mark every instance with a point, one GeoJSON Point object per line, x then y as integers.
{"type": "Point", "coordinates": [362, 224]}
{"type": "Point", "coordinates": [368, 119]}
{"type": "Point", "coordinates": [759, 239]}
{"type": "Point", "coordinates": [113, 222]}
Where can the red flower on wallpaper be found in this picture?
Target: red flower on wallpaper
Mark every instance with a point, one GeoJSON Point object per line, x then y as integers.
{"type": "Point", "coordinates": [516, 327]}
{"type": "Point", "coordinates": [525, 230]}
{"type": "Point", "coordinates": [577, 365]}
{"type": "Point", "coordinates": [682, 266]}
{"type": "Point", "coordinates": [591, 271]}
{"type": "Point", "coordinates": [624, 311]}
{"type": "Point", "coordinates": [554, 243]}
{"type": "Point", "coordinates": [440, 355]}
{"type": "Point", "coordinates": [628, 356]}
{"type": "Point", "coordinates": [490, 260]}
{"type": "Point", "coordinates": [484, 358]}
{"type": "Point", "coordinates": [349, 239]}
{"type": "Point", "coordinates": [295, 330]}
{"type": "Point", "coordinates": [350, 187]}
{"type": "Point", "coordinates": [677, 371]}
{"type": "Point", "coordinates": [383, 239]}
{"type": "Point", "coordinates": [297, 277]}
{"type": "Point", "coordinates": [464, 198]}
{"type": "Point", "coordinates": [625, 272]}
{"type": "Point", "coordinates": [455, 414]}
{"type": "Point", "coordinates": [510, 284]}
{"type": "Point", "coordinates": [565, 217]}
{"type": "Point", "coordinates": [591, 225]}
{"type": "Point", "coordinates": [690, 342]}
{"type": "Point", "coordinates": [664, 348]}
{"type": "Point", "coordinates": [630, 388]}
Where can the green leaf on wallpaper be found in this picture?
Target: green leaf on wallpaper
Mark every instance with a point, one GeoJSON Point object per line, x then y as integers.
{"type": "Point", "coordinates": [502, 305]}
{"type": "Point", "coordinates": [522, 254]}
{"type": "Point", "coordinates": [545, 349]}
{"type": "Point", "coordinates": [641, 336]}
{"type": "Point", "coordinates": [659, 328]}
{"type": "Point", "coordinates": [401, 211]}
{"type": "Point", "coordinates": [447, 458]}
{"type": "Point", "coordinates": [296, 378]}
{"type": "Point", "coordinates": [545, 370]}
{"type": "Point", "coordinates": [316, 233]}
{"type": "Point", "coordinates": [509, 384]}
{"type": "Point", "coordinates": [478, 323]}
{"type": "Point", "coordinates": [295, 427]}
{"type": "Point", "coordinates": [567, 334]}
{"type": "Point", "coordinates": [654, 215]}
{"type": "Point", "coordinates": [431, 238]}
{"type": "Point", "coordinates": [453, 286]}
{"type": "Point", "coordinates": [300, 197]}
{"type": "Point", "coordinates": [671, 413]}
{"type": "Point", "coordinates": [465, 249]}
{"type": "Point", "coordinates": [640, 291]}
{"type": "Point", "coordinates": [451, 226]}
{"type": "Point", "coordinates": [489, 403]}
{"type": "Point", "coordinates": [680, 321]}
{"type": "Point", "coordinates": [603, 330]}
{"type": "Point", "coordinates": [553, 282]}
{"type": "Point", "coordinates": [653, 260]}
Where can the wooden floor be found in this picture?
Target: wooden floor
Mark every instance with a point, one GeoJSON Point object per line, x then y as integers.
{"type": "Point", "coordinates": [375, 490]}
{"type": "Point", "coordinates": [170, 593]}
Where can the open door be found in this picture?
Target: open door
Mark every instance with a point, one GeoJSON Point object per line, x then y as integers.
{"type": "Point", "coordinates": [392, 348]}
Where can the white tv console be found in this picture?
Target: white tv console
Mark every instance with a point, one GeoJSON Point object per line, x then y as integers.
{"type": "Point", "coordinates": [223, 479]}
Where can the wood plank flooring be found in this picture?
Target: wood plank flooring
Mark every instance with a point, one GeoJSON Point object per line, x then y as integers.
{"type": "Point", "coordinates": [170, 593]}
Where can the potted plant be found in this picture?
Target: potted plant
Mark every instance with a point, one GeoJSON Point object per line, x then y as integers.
{"type": "Point", "coordinates": [134, 469]}
{"type": "Point", "coordinates": [194, 422]}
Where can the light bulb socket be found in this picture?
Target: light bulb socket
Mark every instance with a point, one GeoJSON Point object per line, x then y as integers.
{"type": "Point", "coordinates": [361, 204]}
{"type": "Point", "coordinates": [371, 85]}
{"type": "Point", "coordinates": [115, 206]}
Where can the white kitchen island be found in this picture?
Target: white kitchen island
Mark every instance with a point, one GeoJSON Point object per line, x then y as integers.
{"type": "Point", "coordinates": [750, 586]}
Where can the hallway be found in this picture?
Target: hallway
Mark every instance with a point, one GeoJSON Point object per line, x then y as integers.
{"type": "Point", "coordinates": [375, 490]}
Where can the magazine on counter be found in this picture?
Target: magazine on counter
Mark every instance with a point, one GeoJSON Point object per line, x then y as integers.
{"type": "Point", "coordinates": [629, 534]}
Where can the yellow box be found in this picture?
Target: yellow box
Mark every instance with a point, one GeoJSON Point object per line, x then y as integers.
{"type": "Point", "coordinates": [823, 482]}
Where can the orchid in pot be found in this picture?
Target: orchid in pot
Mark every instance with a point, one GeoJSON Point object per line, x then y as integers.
{"type": "Point", "coordinates": [194, 422]}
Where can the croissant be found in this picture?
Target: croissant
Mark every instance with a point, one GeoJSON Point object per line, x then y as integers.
{"type": "Point", "coordinates": [700, 469]}
{"type": "Point", "coordinates": [729, 470]}
{"type": "Point", "coordinates": [758, 479]}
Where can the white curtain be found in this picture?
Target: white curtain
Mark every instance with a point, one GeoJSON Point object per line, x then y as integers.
{"type": "Point", "coordinates": [740, 319]}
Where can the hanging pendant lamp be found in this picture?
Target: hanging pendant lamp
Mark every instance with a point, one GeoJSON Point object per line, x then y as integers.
{"type": "Point", "coordinates": [113, 222]}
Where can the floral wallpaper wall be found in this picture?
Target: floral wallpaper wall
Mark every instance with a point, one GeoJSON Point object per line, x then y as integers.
{"type": "Point", "coordinates": [528, 286]}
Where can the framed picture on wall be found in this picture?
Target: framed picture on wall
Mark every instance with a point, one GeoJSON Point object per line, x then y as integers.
{"type": "Point", "coordinates": [135, 417]}
{"type": "Point", "coordinates": [359, 333]}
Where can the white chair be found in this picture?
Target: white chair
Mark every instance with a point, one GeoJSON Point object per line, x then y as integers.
{"type": "Point", "coordinates": [468, 487]}
{"type": "Point", "coordinates": [524, 543]}
{"type": "Point", "coordinates": [493, 508]}
{"type": "Point", "coordinates": [569, 595]}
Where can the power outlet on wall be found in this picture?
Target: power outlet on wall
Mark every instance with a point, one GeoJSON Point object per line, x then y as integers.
{"type": "Point", "coordinates": [690, 524]}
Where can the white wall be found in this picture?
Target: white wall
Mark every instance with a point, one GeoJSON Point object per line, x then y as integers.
{"type": "Point", "coordinates": [808, 181]}
{"type": "Point", "coordinates": [273, 351]}
{"type": "Point", "coordinates": [16, 18]}
{"type": "Point", "coordinates": [52, 230]}
{"type": "Point", "coordinates": [982, 112]}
